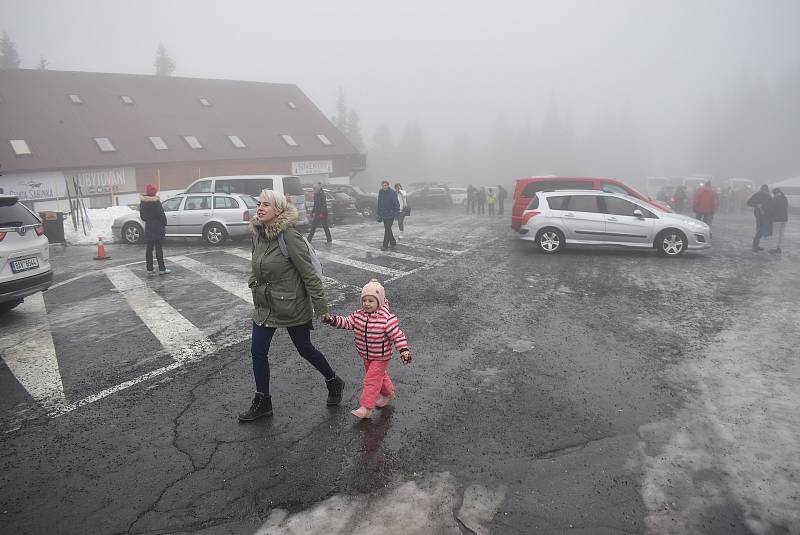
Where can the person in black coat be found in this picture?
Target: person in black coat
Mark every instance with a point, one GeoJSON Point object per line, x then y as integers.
{"type": "Point", "coordinates": [780, 215]}
{"type": "Point", "coordinates": [319, 214]}
{"type": "Point", "coordinates": [155, 222]}
{"type": "Point", "coordinates": [761, 202]}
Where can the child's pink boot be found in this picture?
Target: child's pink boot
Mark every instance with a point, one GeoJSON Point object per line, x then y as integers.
{"type": "Point", "coordinates": [384, 400]}
{"type": "Point", "coordinates": [362, 412]}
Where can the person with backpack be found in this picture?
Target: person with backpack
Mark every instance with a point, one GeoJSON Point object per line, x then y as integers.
{"type": "Point", "coordinates": [155, 223]}
{"type": "Point", "coordinates": [287, 293]}
{"type": "Point", "coordinates": [319, 214]}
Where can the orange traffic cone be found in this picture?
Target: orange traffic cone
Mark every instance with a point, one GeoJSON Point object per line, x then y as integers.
{"type": "Point", "coordinates": [101, 250]}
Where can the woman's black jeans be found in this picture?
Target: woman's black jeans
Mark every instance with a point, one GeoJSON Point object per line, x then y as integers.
{"type": "Point", "coordinates": [148, 255]}
{"type": "Point", "coordinates": [301, 337]}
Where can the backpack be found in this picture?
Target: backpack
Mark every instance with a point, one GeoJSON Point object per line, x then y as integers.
{"type": "Point", "coordinates": [312, 254]}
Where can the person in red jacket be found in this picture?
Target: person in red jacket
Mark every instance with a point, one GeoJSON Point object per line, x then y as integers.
{"type": "Point", "coordinates": [375, 329]}
{"type": "Point", "coordinates": [705, 203]}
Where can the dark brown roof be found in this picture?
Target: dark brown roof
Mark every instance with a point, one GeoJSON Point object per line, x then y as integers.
{"type": "Point", "coordinates": [35, 106]}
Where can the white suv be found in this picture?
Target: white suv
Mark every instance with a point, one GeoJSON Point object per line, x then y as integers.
{"type": "Point", "coordinates": [24, 254]}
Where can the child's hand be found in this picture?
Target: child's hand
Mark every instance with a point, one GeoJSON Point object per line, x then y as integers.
{"type": "Point", "coordinates": [405, 356]}
{"type": "Point", "coordinates": [327, 319]}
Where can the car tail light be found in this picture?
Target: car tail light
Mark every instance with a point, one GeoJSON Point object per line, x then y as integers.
{"type": "Point", "coordinates": [246, 216]}
{"type": "Point", "coordinates": [2, 236]}
{"type": "Point", "coordinates": [39, 230]}
{"type": "Point", "coordinates": [527, 216]}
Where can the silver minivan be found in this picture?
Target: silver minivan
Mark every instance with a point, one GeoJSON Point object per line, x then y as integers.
{"type": "Point", "coordinates": [252, 185]}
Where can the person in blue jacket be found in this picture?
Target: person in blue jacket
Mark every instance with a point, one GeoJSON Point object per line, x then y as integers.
{"type": "Point", "coordinates": [388, 210]}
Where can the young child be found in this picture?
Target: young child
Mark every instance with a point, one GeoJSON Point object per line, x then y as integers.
{"type": "Point", "coordinates": [375, 329]}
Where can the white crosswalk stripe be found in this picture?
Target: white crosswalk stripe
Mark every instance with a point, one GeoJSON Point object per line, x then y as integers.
{"type": "Point", "coordinates": [233, 283]}
{"type": "Point", "coordinates": [391, 254]}
{"type": "Point", "coordinates": [374, 268]}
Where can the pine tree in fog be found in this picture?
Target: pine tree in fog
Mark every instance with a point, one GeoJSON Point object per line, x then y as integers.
{"type": "Point", "coordinates": [354, 130]}
{"type": "Point", "coordinates": [9, 58]}
{"type": "Point", "coordinates": [164, 64]}
{"type": "Point", "coordinates": [340, 119]}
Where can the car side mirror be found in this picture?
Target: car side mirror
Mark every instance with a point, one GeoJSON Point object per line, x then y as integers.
{"type": "Point", "coordinates": [638, 213]}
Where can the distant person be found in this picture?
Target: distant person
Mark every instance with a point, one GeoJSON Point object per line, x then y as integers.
{"type": "Point", "coordinates": [388, 209]}
{"type": "Point", "coordinates": [705, 203]}
{"type": "Point", "coordinates": [480, 200]}
{"type": "Point", "coordinates": [680, 198]}
{"type": "Point", "coordinates": [471, 194]}
{"type": "Point", "coordinates": [501, 199]}
{"type": "Point", "coordinates": [780, 216]}
{"type": "Point", "coordinates": [761, 203]}
{"type": "Point", "coordinates": [491, 200]}
{"type": "Point", "coordinates": [319, 214]}
{"type": "Point", "coordinates": [405, 209]}
{"type": "Point", "coordinates": [155, 223]}
{"type": "Point", "coordinates": [376, 320]}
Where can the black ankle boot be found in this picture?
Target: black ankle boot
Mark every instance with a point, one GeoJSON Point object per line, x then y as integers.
{"type": "Point", "coordinates": [335, 389]}
{"type": "Point", "coordinates": [262, 406]}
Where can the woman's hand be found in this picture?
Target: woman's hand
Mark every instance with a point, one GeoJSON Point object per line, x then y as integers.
{"type": "Point", "coordinates": [405, 356]}
{"type": "Point", "coordinates": [327, 319]}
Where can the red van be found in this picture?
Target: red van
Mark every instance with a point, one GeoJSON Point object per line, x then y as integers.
{"type": "Point", "coordinates": [526, 187]}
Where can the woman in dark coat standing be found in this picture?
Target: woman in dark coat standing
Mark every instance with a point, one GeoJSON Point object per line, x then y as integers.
{"type": "Point", "coordinates": [155, 222]}
{"type": "Point", "coordinates": [388, 209]}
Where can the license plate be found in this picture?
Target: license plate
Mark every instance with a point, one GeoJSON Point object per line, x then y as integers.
{"type": "Point", "coordinates": [24, 264]}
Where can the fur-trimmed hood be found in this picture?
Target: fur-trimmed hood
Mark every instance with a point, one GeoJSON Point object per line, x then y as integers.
{"type": "Point", "coordinates": [149, 198]}
{"type": "Point", "coordinates": [288, 218]}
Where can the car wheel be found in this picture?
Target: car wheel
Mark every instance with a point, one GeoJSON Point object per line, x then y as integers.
{"type": "Point", "coordinates": [671, 242]}
{"type": "Point", "coordinates": [367, 211]}
{"type": "Point", "coordinates": [215, 234]}
{"type": "Point", "coordinates": [550, 240]}
{"type": "Point", "coordinates": [132, 233]}
{"type": "Point", "coordinates": [8, 305]}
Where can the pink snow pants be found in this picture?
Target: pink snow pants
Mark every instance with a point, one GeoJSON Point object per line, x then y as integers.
{"type": "Point", "coordinates": [376, 381]}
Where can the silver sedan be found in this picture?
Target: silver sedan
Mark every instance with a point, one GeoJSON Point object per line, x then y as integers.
{"type": "Point", "coordinates": [213, 217]}
{"type": "Point", "coordinates": [556, 219]}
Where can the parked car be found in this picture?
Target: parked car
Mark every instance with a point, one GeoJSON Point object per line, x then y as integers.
{"type": "Point", "coordinates": [252, 185]}
{"type": "Point", "coordinates": [366, 203]}
{"type": "Point", "coordinates": [527, 187]}
{"type": "Point", "coordinates": [430, 197]}
{"type": "Point", "coordinates": [555, 219]}
{"type": "Point", "coordinates": [24, 253]}
{"type": "Point", "coordinates": [213, 217]}
{"type": "Point", "coordinates": [458, 195]}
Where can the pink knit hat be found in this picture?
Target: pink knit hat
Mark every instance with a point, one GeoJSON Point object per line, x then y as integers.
{"type": "Point", "coordinates": [374, 288]}
{"type": "Point", "coordinates": [151, 189]}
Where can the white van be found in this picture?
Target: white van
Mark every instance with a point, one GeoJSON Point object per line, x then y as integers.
{"type": "Point", "coordinates": [253, 185]}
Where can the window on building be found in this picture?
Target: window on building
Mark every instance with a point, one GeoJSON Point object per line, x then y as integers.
{"type": "Point", "coordinates": [75, 99]}
{"type": "Point", "coordinates": [158, 142]}
{"type": "Point", "coordinates": [20, 146]}
{"type": "Point", "coordinates": [104, 144]}
{"type": "Point", "coordinates": [126, 99]}
{"type": "Point", "coordinates": [193, 142]}
{"type": "Point", "coordinates": [292, 105]}
{"type": "Point", "coordinates": [324, 139]}
{"type": "Point", "coordinates": [289, 140]}
{"type": "Point", "coordinates": [237, 142]}
{"type": "Point", "coordinates": [205, 102]}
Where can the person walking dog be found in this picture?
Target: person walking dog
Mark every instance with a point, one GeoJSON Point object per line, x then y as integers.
{"type": "Point", "coordinates": [155, 222]}
{"type": "Point", "coordinates": [287, 293]}
{"type": "Point", "coordinates": [388, 208]}
{"type": "Point", "coordinates": [375, 329]}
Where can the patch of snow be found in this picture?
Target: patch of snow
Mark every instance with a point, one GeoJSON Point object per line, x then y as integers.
{"type": "Point", "coordinates": [101, 220]}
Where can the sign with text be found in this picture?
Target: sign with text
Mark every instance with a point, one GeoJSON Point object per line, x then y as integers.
{"type": "Point", "coordinates": [33, 186]}
{"type": "Point", "coordinates": [316, 167]}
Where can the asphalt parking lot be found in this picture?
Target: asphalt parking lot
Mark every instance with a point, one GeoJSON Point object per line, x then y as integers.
{"type": "Point", "coordinates": [595, 391]}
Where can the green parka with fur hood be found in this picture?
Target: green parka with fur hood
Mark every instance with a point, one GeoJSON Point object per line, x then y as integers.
{"type": "Point", "coordinates": [284, 288]}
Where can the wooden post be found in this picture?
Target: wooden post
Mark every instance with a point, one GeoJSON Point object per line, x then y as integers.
{"type": "Point", "coordinates": [158, 176]}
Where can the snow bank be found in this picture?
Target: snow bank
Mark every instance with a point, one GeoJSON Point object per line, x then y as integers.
{"type": "Point", "coordinates": [101, 220]}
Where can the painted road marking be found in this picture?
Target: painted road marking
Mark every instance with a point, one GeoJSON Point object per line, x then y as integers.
{"type": "Point", "coordinates": [235, 284]}
{"type": "Point", "coordinates": [330, 257]}
{"type": "Point", "coordinates": [28, 351]}
{"type": "Point", "coordinates": [175, 333]}
{"type": "Point", "coordinates": [390, 253]}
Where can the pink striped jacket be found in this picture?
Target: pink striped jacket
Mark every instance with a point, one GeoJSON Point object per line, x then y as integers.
{"type": "Point", "coordinates": [374, 333]}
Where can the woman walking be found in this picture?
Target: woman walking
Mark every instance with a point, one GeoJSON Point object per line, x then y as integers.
{"type": "Point", "coordinates": [401, 215]}
{"type": "Point", "coordinates": [287, 292]}
{"type": "Point", "coordinates": [155, 222]}
{"type": "Point", "coordinates": [388, 208]}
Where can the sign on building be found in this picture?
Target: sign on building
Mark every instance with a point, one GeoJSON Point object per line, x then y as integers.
{"type": "Point", "coordinates": [316, 167]}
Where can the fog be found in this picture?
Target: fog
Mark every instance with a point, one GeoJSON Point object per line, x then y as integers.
{"type": "Point", "coordinates": [481, 91]}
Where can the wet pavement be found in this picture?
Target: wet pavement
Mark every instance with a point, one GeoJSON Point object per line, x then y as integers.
{"type": "Point", "coordinates": [596, 391]}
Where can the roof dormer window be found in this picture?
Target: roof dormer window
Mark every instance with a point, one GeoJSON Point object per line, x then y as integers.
{"type": "Point", "coordinates": [126, 99]}
{"type": "Point", "coordinates": [20, 147]}
{"type": "Point", "coordinates": [289, 140]}
{"type": "Point", "coordinates": [237, 142]}
{"type": "Point", "coordinates": [75, 99]}
{"type": "Point", "coordinates": [324, 139]}
{"type": "Point", "coordinates": [158, 142]}
{"type": "Point", "coordinates": [104, 144]}
{"type": "Point", "coordinates": [193, 142]}
{"type": "Point", "coordinates": [205, 102]}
